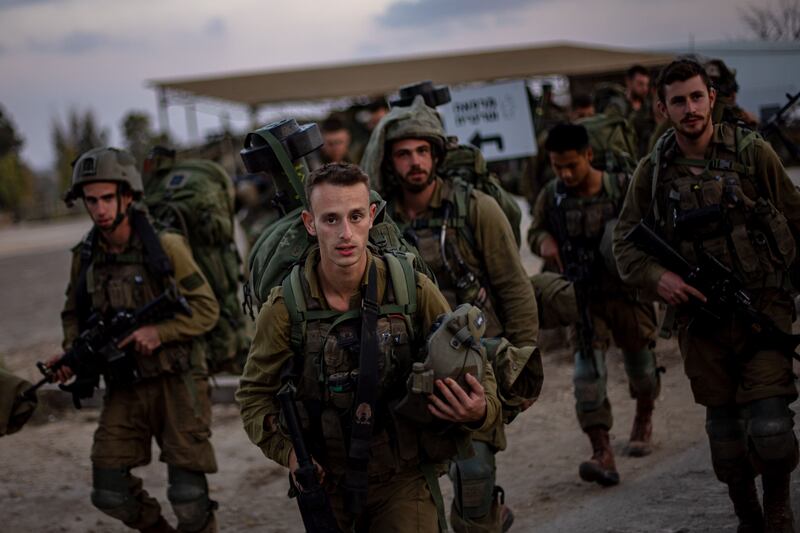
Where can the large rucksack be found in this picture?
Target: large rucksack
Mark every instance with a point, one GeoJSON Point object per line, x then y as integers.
{"type": "Point", "coordinates": [286, 243]}
{"type": "Point", "coordinates": [613, 141]}
{"type": "Point", "coordinates": [196, 198]}
{"type": "Point", "coordinates": [467, 162]}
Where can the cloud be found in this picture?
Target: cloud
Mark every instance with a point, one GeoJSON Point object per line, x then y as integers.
{"type": "Point", "coordinates": [78, 43]}
{"type": "Point", "coordinates": [11, 4]}
{"type": "Point", "coordinates": [215, 27]}
{"type": "Point", "coordinates": [411, 13]}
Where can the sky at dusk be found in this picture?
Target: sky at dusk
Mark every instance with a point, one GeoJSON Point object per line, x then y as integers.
{"type": "Point", "coordinates": [99, 54]}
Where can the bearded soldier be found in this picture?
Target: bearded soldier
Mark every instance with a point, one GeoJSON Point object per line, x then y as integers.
{"type": "Point", "coordinates": [123, 264]}
{"type": "Point", "coordinates": [379, 454]}
{"type": "Point", "coordinates": [466, 239]}
{"type": "Point", "coordinates": [718, 195]}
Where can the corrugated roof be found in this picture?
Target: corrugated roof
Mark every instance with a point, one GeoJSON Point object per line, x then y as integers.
{"type": "Point", "coordinates": [384, 77]}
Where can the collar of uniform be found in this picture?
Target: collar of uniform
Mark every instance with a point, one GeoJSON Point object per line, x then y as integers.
{"type": "Point", "coordinates": [134, 244]}
{"type": "Point", "coordinates": [315, 287]}
{"type": "Point", "coordinates": [604, 182]}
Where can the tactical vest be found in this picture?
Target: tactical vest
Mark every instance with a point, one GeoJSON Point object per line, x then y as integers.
{"type": "Point", "coordinates": [580, 224]}
{"type": "Point", "coordinates": [125, 281]}
{"type": "Point", "coordinates": [327, 344]}
{"type": "Point", "coordinates": [437, 240]}
{"type": "Point", "coordinates": [723, 211]}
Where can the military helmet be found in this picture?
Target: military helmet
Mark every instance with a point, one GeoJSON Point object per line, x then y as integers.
{"type": "Point", "coordinates": [417, 122]}
{"type": "Point", "coordinates": [722, 77]}
{"type": "Point", "coordinates": [104, 164]}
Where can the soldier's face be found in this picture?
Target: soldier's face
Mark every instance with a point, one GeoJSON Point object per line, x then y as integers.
{"type": "Point", "coordinates": [572, 167]}
{"type": "Point", "coordinates": [340, 217]}
{"type": "Point", "coordinates": [413, 161]}
{"type": "Point", "coordinates": [638, 86]}
{"type": "Point", "coordinates": [688, 105]}
{"type": "Point", "coordinates": [337, 143]}
{"type": "Point", "coordinates": [100, 199]}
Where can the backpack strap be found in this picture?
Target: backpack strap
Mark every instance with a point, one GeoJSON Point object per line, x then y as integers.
{"type": "Point", "coordinates": [295, 300]}
{"type": "Point", "coordinates": [462, 192]}
{"type": "Point", "coordinates": [656, 160]}
{"type": "Point", "coordinates": [83, 304]}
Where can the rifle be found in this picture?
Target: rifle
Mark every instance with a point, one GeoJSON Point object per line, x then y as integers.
{"type": "Point", "coordinates": [773, 125]}
{"type": "Point", "coordinates": [578, 262]}
{"type": "Point", "coordinates": [96, 350]}
{"type": "Point", "coordinates": [726, 295]}
{"type": "Point", "coordinates": [313, 501]}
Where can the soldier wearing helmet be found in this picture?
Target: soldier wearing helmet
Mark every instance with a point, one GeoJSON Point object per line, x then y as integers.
{"type": "Point", "coordinates": [122, 264]}
{"type": "Point", "coordinates": [465, 238]}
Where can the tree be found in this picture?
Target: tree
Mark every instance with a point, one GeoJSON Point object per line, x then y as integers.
{"type": "Point", "coordinates": [139, 135]}
{"type": "Point", "coordinates": [16, 179]}
{"type": "Point", "coordinates": [79, 134]}
{"type": "Point", "coordinates": [778, 20]}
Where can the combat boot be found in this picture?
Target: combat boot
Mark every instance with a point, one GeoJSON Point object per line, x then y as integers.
{"type": "Point", "coordinates": [642, 431]}
{"type": "Point", "coordinates": [600, 468]}
{"type": "Point", "coordinates": [746, 506]}
{"type": "Point", "coordinates": [778, 517]}
{"type": "Point", "coordinates": [161, 526]}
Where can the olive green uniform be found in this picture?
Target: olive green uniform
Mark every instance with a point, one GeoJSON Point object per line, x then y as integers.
{"type": "Point", "coordinates": [729, 368]}
{"type": "Point", "coordinates": [399, 496]}
{"type": "Point", "coordinates": [615, 310]}
{"type": "Point", "coordinates": [170, 403]}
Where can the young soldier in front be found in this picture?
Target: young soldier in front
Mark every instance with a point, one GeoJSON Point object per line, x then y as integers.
{"type": "Point", "coordinates": [573, 213]}
{"type": "Point", "coordinates": [122, 264]}
{"type": "Point", "coordinates": [333, 282]}
{"type": "Point", "coordinates": [720, 190]}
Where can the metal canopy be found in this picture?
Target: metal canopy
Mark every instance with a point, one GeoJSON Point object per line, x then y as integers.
{"type": "Point", "coordinates": [384, 77]}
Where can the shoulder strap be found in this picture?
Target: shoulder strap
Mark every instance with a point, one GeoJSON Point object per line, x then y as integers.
{"type": "Point", "coordinates": [656, 157]}
{"type": "Point", "coordinates": [83, 304]}
{"type": "Point", "coordinates": [295, 299]}
{"type": "Point", "coordinates": [462, 192]}
{"type": "Point", "coordinates": [155, 257]}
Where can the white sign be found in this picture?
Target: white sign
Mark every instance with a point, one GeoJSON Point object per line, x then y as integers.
{"type": "Point", "coordinates": [495, 117]}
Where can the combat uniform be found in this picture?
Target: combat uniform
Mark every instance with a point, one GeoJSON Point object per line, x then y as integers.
{"type": "Point", "coordinates": [465, 238]}
{"type": "Point", "coordinates": [751, 217]}
{"type": "Point", "coordinates": [615, 310]}
{"type": "Point", "coordinates": [401, 490]}
{"type": "Point", "coordinates": [171, 400]}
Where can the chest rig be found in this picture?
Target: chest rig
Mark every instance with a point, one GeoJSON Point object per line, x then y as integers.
{"type": "Point", "coordinates": [580, 223]}
{"type": "Point", "coordinates": [110, 282]}
{"type": "Point", "coordinates": [437, 240]}
{"type": "Point", "coordinates": [723, 210]}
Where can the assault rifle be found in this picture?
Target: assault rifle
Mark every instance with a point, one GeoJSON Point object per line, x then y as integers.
{"type": "Point", "coordinates": [776, 121]}
{"type": "Point", "coordinates": [96, 352]}
{"type": "Point", "coordinates": [726, 295]}
{"type": "Point", "coordinates": [313, 501]}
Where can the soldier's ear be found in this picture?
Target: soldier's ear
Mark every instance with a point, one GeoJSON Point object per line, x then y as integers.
{"type": "Point", "coordinates": [308, 222]}
{"type": "Point", "coordinates": [373, 209]}
{"type": "Point", "coordinates": [712, 97]}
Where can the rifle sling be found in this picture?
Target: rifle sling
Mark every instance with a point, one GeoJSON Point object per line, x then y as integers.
{"type": "Point", "coordinates": [356, 478]}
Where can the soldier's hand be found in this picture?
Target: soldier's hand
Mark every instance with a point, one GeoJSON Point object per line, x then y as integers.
{"type": "Point", "coordinates": [675, 291]}
{"type": "Point", "coordinates": [293, 466]}
{"type": "Point", "coordinates": [548, 251]}
{"type": "Point", "coordinates": [145, 339]}
{"type": "Point", "coordinates": [458, 405]}
{"type": "Point", "coordinates": [63, 374]}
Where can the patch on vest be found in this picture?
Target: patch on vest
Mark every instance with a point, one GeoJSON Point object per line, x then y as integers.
{"type": "Point", "coordinates": [176, 181]}
{"type": "Point", "coordinates": [192, 281]}
{"type": "Point", "coordinates": [363, 414]}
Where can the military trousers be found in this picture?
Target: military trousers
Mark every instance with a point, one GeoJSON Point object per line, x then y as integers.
{"type": "Point", "coordinates": [632, 326]}
{"type": "Point", "coordinates": [165, 408]}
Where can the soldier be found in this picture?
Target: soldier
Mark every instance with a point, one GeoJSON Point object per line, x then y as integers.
{"type": "Point", "coordinates": [337, 141]}
{"type": "Point", "coordinates": [637, 90]}
{"type": "Point", "coordinates": [465, 238]}
{"type": "Point", "coordinates": [123, 264]}
{"type": "Point", "coordinates": [752, 215]}
{"type": "Point", "coordinates": [571, 214]}
{"type": "Point", "coordinates": [397, 487]}
{"type": "Point", "coordinates": [726, 109]}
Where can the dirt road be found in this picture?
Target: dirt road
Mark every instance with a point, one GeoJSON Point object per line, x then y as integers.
{"type": "Point", "coordinates": [45, 474]}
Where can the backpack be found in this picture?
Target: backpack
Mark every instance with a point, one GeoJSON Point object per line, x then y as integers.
{"type": "Point", "coordinates": [613, 142]}
{"type": "Point", "coordinates": [195, 197]}
{"type": "Point", "coordinates": [467, 163]}
{"type": "Point", "coordinates": [286, 243]}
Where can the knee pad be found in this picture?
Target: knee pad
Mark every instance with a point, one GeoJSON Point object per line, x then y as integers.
{"type": "Point", "coordinates": [188, 495]}
{"type": "Point", "coordinates": [728, 443]}
{"type": "Point", "coordinates": [111, 494]}
{"type": "Point", "coordinates": [643, 376]}
{"type": "Point", "coordinates": [473, 482]}
{"type": "Point", "coordinates": [770, 428]}
{"type": "Point", "coordinates": [589, 380]}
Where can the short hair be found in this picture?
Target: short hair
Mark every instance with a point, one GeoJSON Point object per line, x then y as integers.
{"type": "Point", "coordinates": [341, 174]}
{"type": "Point", "coordinates": [680, 70]}
{"type": "Point", "coordinates": [332, 124]}
{"type": "Point", "coordinates": [565, 136]}
{"type": "Point", "coordinates": [581, 100]}
{"type": "Point", "coordinates": [636, 69]}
